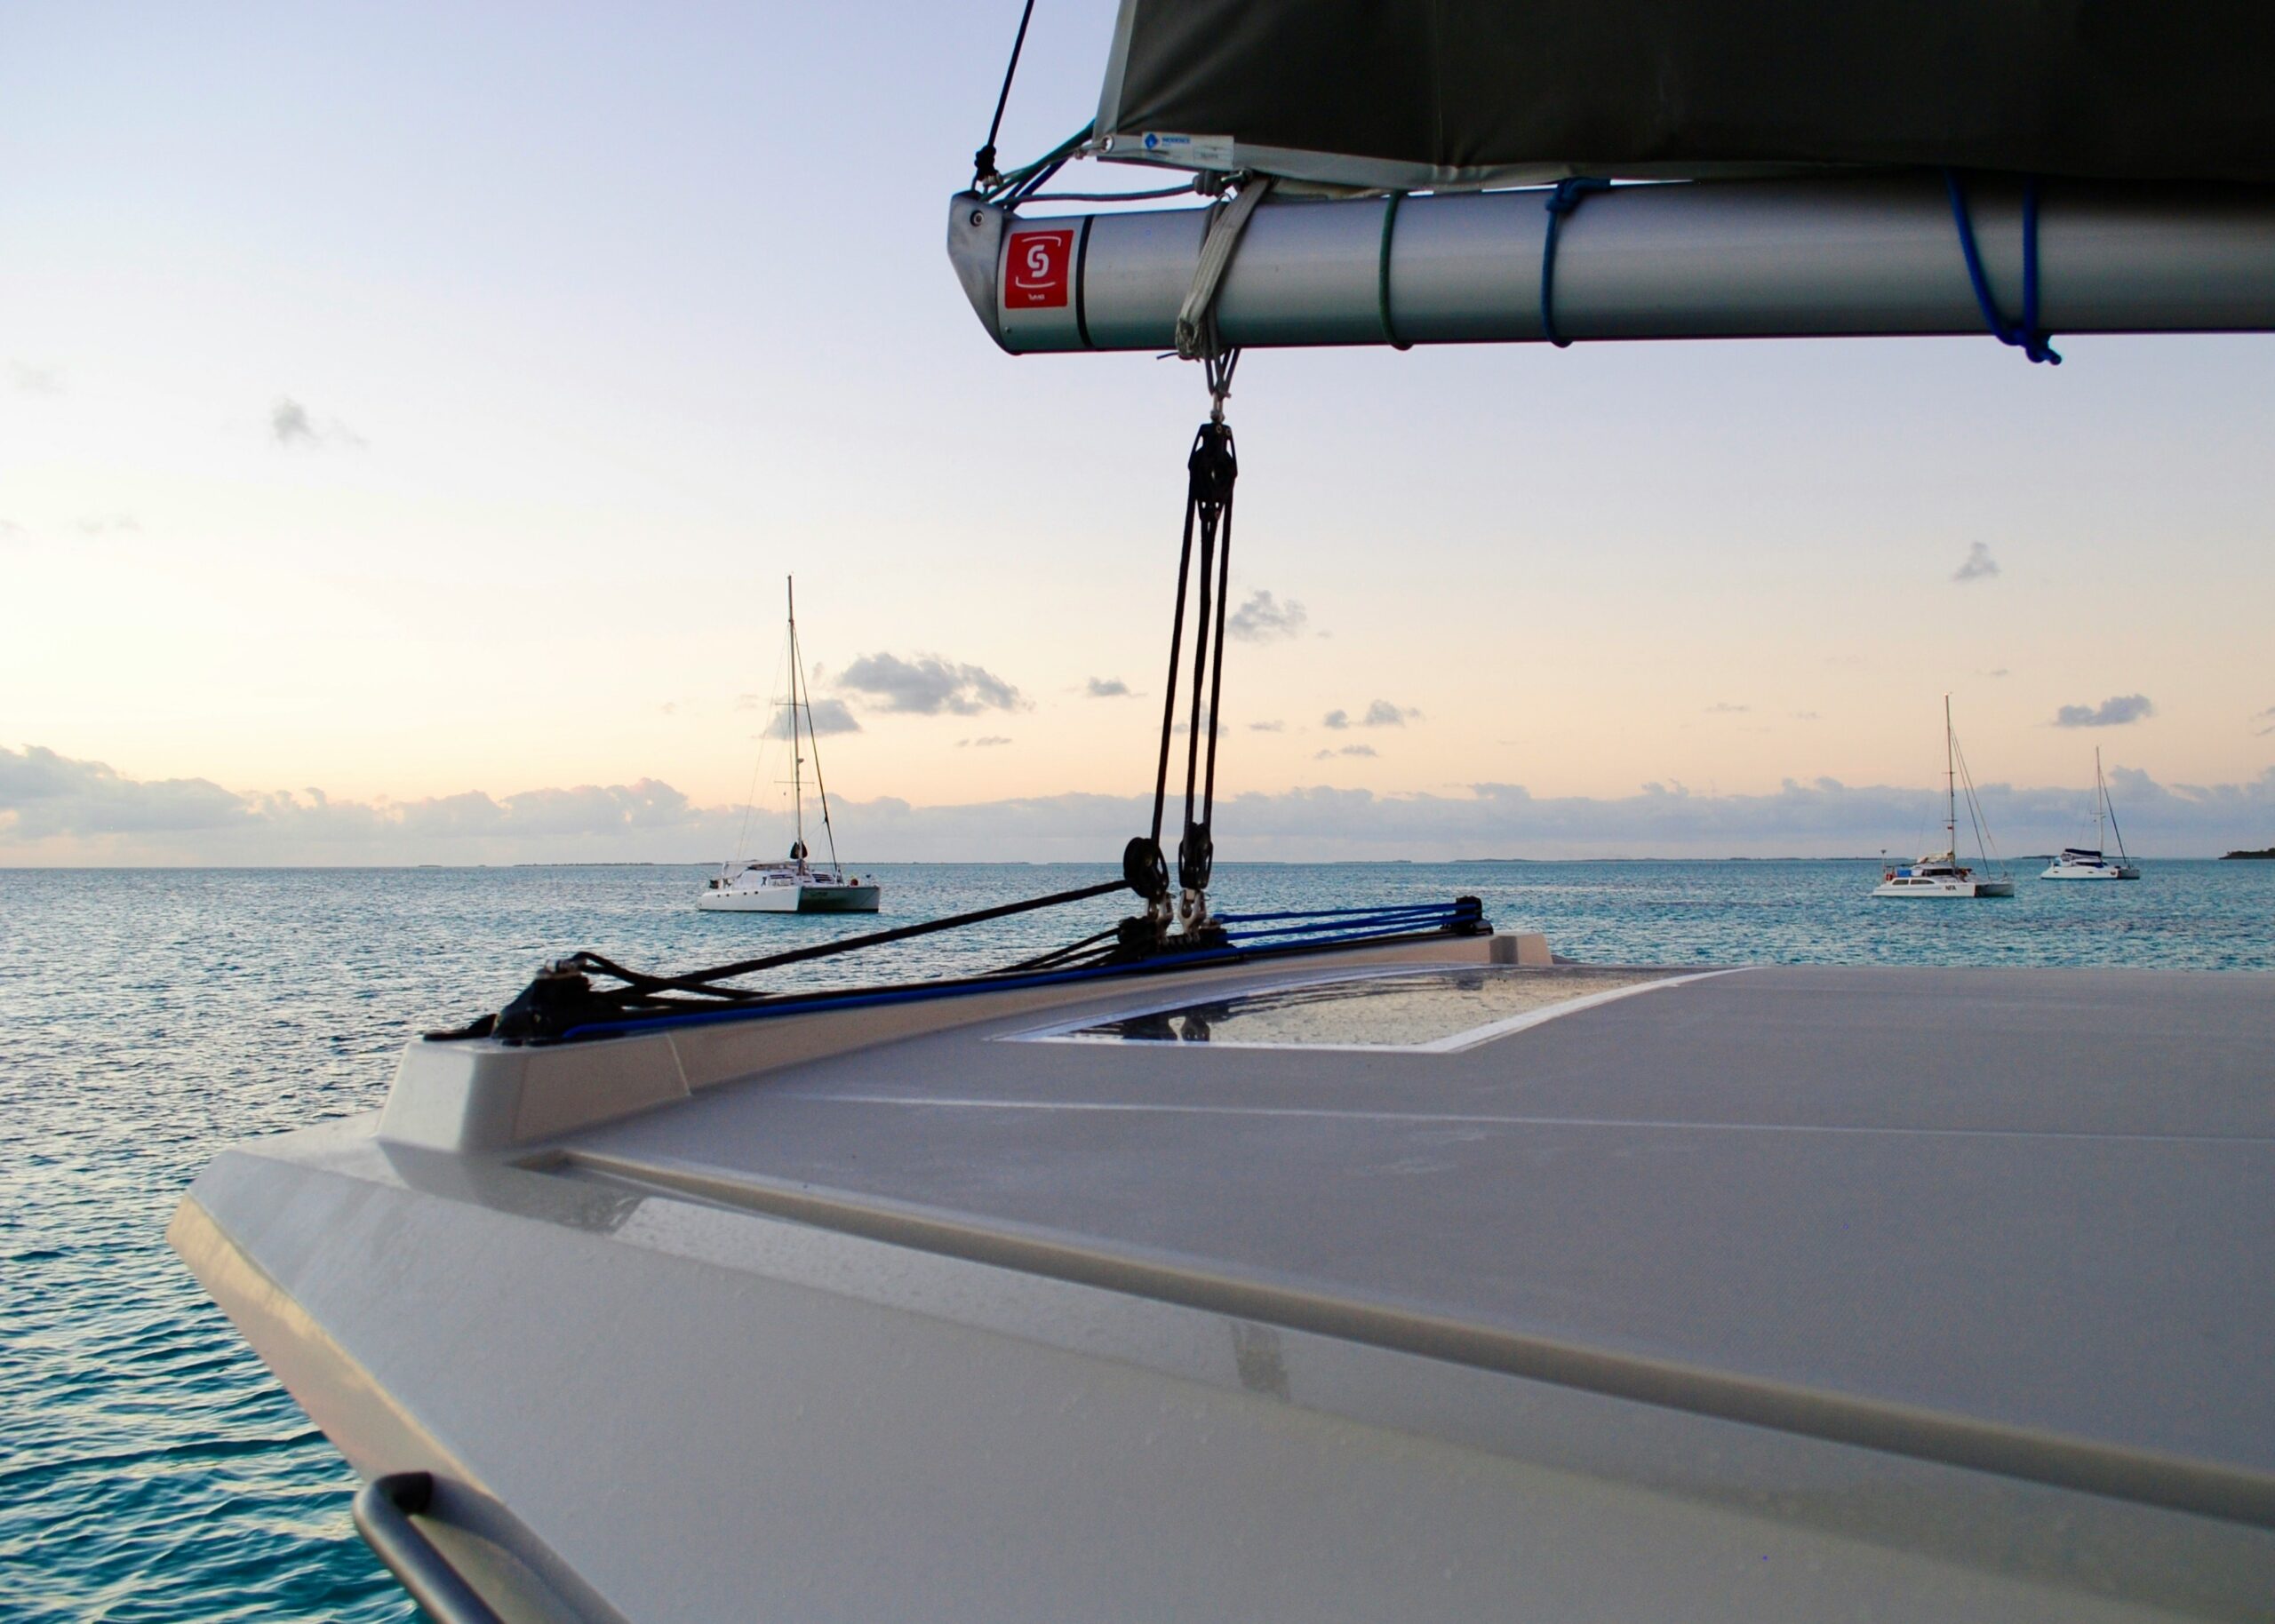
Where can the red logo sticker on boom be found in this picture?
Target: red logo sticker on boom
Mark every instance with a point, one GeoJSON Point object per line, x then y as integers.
{"type": "Point", "coordinates": [1036, 269]}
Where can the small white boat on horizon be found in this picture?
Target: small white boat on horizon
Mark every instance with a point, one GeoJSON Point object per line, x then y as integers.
{"type": "Point", "coordinates": [1941, 875]}
{"type": "Point", "coordinates": [794, 885]}
{"type": "Point", "coordinates": [2092, 862]}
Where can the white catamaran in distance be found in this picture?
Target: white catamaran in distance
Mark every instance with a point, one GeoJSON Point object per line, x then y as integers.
{"type": "Point", "coordinates": [1942, 874]}
{"type": "Point", "coordinates": [796, 885]}
{"type": "Point", "coordinates": [2092, 862]}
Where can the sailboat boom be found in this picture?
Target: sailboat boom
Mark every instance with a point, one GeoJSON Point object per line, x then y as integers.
{"type": "Point", "coordinates": [1832, 255]}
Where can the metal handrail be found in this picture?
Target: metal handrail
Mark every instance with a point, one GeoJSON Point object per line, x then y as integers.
{"type": "Point", "coordinates": [383, 1510]}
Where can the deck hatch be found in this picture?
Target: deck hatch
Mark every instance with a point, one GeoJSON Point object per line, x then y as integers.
{"type": "Point", "coordinates": [1434, 1010]}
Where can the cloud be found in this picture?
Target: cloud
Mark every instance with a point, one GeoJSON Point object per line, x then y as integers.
{"type": "Point", "coordinates": [288, 420]}
{"type": "Point", "coordinates": [1267, 727]}
{"type": "Point", "coordinates": [289, 425]}
{"type": "Point", "coordinates": [1977, 566]}
{"type": "Point", "coordinates": [1336, 719]}
{"type": "Point", "coordinates": [828, 716]}
{"type": "Point", "coordinates": [1723, 707]}
{"type": "Point", "coordinates": [1107, 688]}
{"type": "Point", "coordinates": [42, 794]}
{"type": "Point", "coordinates": [1383, 714]}
{"type": "Point", "coordinates": [2000, 672]}
{"type": "Point", "coordinates": [989, 742]}
{"type": "Point", "coordinates": [34, 380]}
{"type": "Point", "coordinates": [535, 814]}
{"type": "Point", "coordinates": [1347, 749]}
{"type": "Point", "coordinates": [94, 812]}
{"type": "Point", "coordinates": [13, 532]}
{"type": "Point", "coordinates": [108, 524]}
{"type": "Point", "coordinates": [55, 809]}
{"type": "Point", "coordinates": [2267, 715]}
{"type": "Point", "coordinates": [928, 685]}
{"type": "Point", "coordinates": [1805, 716]}
{"type": "Point", "coordinates": [1264, 617]}
{"type": "Point", "coordinates": [2114, 713]}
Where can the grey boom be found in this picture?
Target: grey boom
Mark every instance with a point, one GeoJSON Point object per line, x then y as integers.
{"type": "Point", "coordinates": [1822, 257]}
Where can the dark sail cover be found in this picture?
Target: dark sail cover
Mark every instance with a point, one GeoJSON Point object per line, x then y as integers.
{"type": "Point", "coordinates": [1403, 93]}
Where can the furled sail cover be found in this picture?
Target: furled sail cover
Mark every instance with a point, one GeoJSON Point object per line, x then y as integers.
{"type": "Point", "coordinates": [1411, 92]}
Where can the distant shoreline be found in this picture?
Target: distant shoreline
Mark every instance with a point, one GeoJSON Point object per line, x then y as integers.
{"type": "Point", "coordinates": [1085, 863]}
{"type": "Point", "coordinates": [2266, 854]}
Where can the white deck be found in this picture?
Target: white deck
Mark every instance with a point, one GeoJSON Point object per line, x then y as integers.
{"type": "Point", "coordinates": [1758, 1296]}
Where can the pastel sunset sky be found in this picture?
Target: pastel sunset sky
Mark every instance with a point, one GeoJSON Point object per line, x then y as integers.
{"type": "Point", "coordinates": [408, 413]}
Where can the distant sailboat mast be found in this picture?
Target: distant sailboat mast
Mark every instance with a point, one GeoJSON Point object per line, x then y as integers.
{"type": "Point", "coordinates": [2107, 808]}
{"type": "Point", "coordinates": [2100, 804]}
{"type": "Point", "coordinates": [1951, 785]}
{"type": "Point", "coordinates": [798, 687]}
{"type": "Point", "coordinates": [797, 752]}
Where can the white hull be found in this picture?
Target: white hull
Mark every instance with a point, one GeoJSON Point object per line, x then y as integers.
{"type": "Point", "coordinates": [777, 1321]}
{"type": "Point", "coordinates": [1941, 888]}
{"type": "Point", "coordinates": [793, 899]}
{"type": "Point", "coordinates": [2111, 871]}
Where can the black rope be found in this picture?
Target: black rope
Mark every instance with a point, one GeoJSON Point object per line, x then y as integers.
{"type": "Point", "coordinates": [1059, 956]}
{"type": "Point", "coordinates": [698, 981]}
{"type": "Point", "coordinates": [1211, 468]}
{"type": "Point", "coordinates": [1196, 853]}
{"type": "Point", "coordinates": [562, 1006]}
{"type": "Point", "coordinates": [1005, 188]}
{"type": "Point", "coordinates": [562, 997]}
{"type": "Point", "coordinates": [1019, 193]}
{"type": "Point", "coordinates": [983, 161]}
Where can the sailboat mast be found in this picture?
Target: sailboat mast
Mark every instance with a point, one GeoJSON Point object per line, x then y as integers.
{"type": "Point", "coordinates": [2101, 803]}
{"type": "Point", "coordinates": [1951, 786]}
{"type": "Point", "coordinates": [797, 754]}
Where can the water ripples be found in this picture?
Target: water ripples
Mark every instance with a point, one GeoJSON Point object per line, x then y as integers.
{"type": "Point", "coordinates": [152, 1471]}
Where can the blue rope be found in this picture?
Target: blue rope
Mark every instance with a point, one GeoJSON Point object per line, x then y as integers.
{"type": "Point", "coordinates": [2029, 337]}
{"type": "Point", "coordinates": [1328, 925]}
{"type": "Point", "coordinates": [1364, 931]}
{"type": "Point", "coordinates": [1328, 937]}
{"type": "Point", "coordinates": [1564, 198]}
{"type": "Point", "coordinates": [1381, 272]}
{"type": "Point", "coordinates": [1337, 913]}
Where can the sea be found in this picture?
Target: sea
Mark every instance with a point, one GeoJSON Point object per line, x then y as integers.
{"type": "Point", "coordinates": [150, 1469]}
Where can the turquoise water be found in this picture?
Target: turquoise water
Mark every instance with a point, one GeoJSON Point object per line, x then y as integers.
{"type": "Point", "coordinates": [149, 1468]}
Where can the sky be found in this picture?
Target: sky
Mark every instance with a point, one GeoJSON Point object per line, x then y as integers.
{"type": "Point", "coordinates": [409, 414]}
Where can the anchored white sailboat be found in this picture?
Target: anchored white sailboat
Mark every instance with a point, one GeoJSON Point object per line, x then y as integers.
{"type": "Point", "coordinates": [1941, 875]}
{"type": "Point", "coordinates": [797, 884]}
{"type": "Point", "coordinates": [2093, 862]}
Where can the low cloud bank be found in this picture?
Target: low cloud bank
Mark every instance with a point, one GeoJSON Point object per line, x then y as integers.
{"type": "Point", "coordinates": [58, 811]}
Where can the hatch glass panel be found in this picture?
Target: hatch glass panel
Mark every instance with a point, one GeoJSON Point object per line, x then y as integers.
{"type": "Point", "coordinates": [1437, 1009]}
